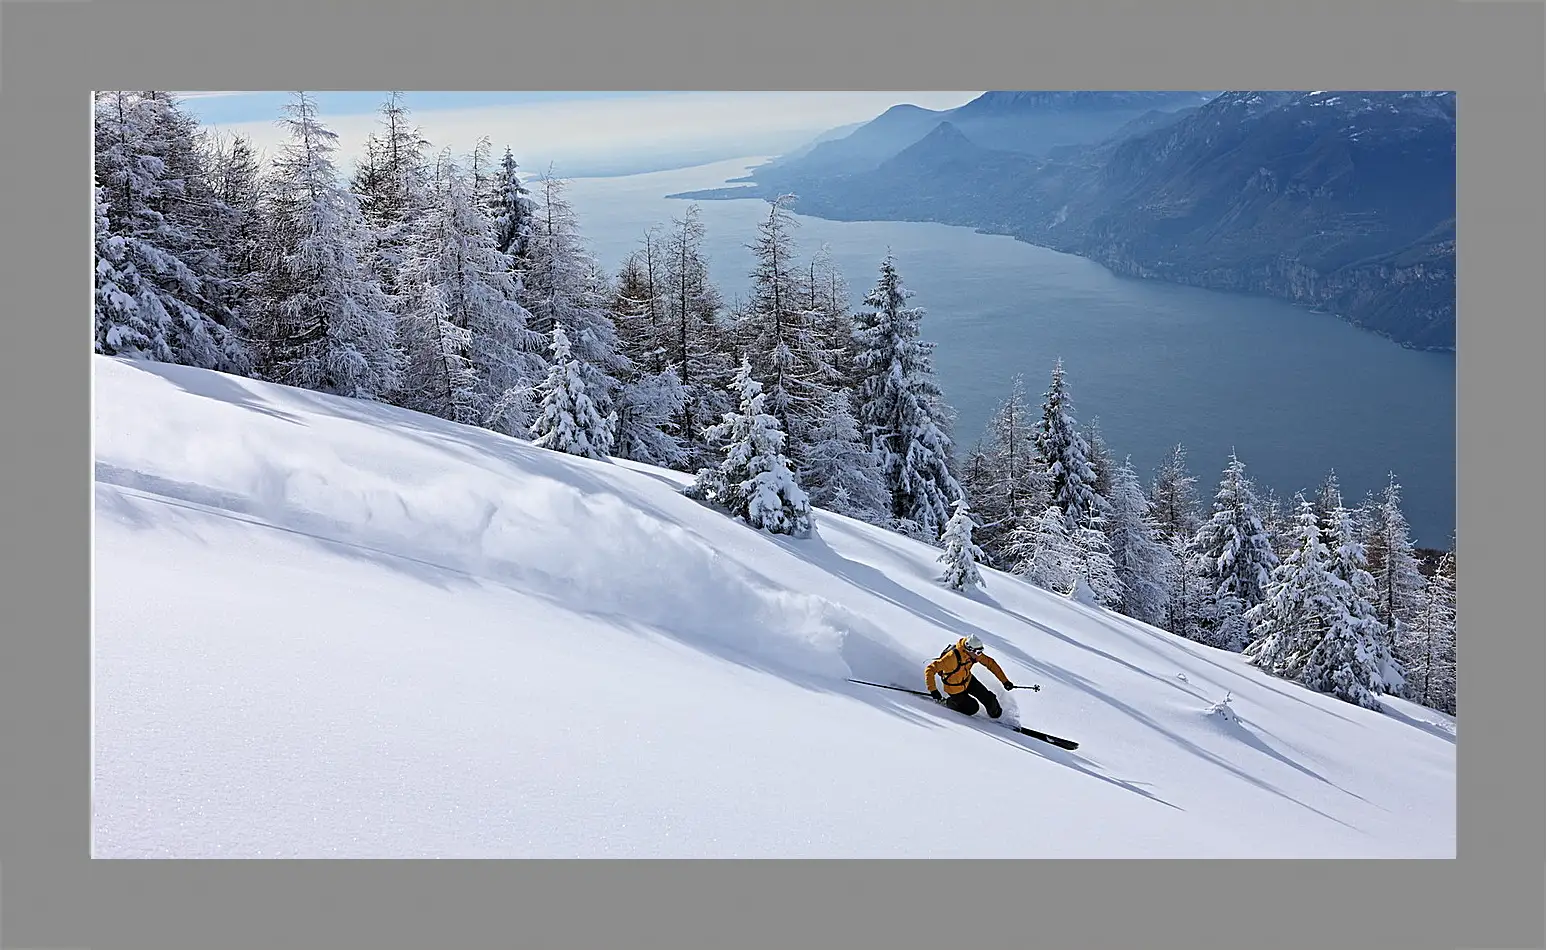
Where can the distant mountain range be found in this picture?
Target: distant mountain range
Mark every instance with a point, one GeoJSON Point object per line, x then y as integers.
{"type": "Point", "coordinates": [1337, 200]}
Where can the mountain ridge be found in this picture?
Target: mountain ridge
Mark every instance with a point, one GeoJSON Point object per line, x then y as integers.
{"type": "Point", "coordinates": [1334, 200]}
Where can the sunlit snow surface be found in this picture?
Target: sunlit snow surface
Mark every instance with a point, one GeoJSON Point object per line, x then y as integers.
{"type": "Point", "coordinates": [327, 628]}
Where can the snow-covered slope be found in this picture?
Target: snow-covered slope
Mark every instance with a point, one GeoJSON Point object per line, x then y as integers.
{"type": "Point", "coordinates": [334, 629]}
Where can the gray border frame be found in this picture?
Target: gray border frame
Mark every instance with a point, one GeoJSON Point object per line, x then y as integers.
{"type": "Point", "coordinates": [54, 896]}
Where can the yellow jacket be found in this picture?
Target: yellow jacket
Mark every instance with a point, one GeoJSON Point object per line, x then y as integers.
{"type": "Point", "coordinates": [954, 667]}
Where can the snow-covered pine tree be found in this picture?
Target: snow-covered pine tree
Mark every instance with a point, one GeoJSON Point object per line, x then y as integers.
{"type": "Point", "coordinates": [1041, 551]}
{"type": "Point", "coordinates": [1142, 562]}
{"type": "Point", "coordinates": [1430, 647]}
{"type": "Point", "coordinates": [392, 186]}
{"type": "Point", "coordinates": [639, 308]}
{"type": "Point", "coordinates": [833, 322]}
{"type": "Point", "coordinates": [1174, 502]}
{"type": "Point", "coordinates": [1398, 581]}
{"type": "Point", "coordinates": [1355, 590]}
{"type": "Point", "coordinates": [1008, 484]}
{"type": "Point", "coordinates": [1095, 571]}
{"type": "Point", "coordinates": [1071, 480]}
{"type": "Point", "coordinates": [1299, 606]}
{"type": "Point", "coordinates": [840, 472]}
{"type": "Point", "coordinates": [692, 335]}
{"type": "Point", "coordinates": [512, 211]}
{"type": "Point", "coordinates": [1102, 464]}
{"type": "Point", "coordinates": [1174, 497]}
{"type": "Point", "coordinates": [961, 556]}
{"type": "Point", "coordinates": [438, 374]}
{"type": "Point", "coordinates": [561, 283]}
{"type": "Point", "coordinates": [1278, 522]}
{"type": "Point", "coordinates": [453, 273]}
{"type": "Point", "coordinates": [754, 481]}
{"type": "Point", "coordinates": [322, 321]}
{"type": "Point", "coordinates": [781, 330]}
{"type": "Point", "coordinates": [130, 320]}
{"type": "Point", "coordinates": [196, 208]}
{"type": "Point", "coordinates": [900, 407]}
{"type": "Point", "coordinates": [649, 408]}
{"type": "Point", "coordinates": [1237, 558]}
{"type": "Point", "coordinates": [1328, 498]}
{"type": "Point", "coordinates": [651, 398]}
{"type": "Point", "coordinates": [235, 229]}
{"type": "Point", "coordinates": [483, 176]}
{"type": "Point", "coordinates": [1344, 662]}
{"type": "Point", "coordinates": [567, 418]}
{"type": "Point", "coordinates": [156, 203]}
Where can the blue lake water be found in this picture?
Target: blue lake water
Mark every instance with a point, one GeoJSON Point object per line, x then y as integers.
{"type": "Point", "coordinates": [1295, 393]}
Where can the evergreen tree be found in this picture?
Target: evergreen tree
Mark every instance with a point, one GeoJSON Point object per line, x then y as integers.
{"type": "Point", "coordinates": [1094, 569]}
{"type": "Point", "coordinates": [1356, 589]}
{"type": "Point", "coordinates": [638, 308]}
{"type": "Point", "coordinates": [1430, 647]}
{"type": "Point", "coordinates": [156, 203]}
{"type": "Point", "coordinates": [483, 177]}
{"type": "Point", "coordinates": [1344, 662]}
{"type": "Point", "coordinates": [781, 331]}
{"type": "Point", "coordinates": [652, 398]}
{"type": "Point", "coordinates": [900, 409]}
{"type": "Point", "coordinates": [1174, 502]}
{"type": "Point", "coordinates": [129, 318]}
{"type": "Point", "coordinates": [1237, 557]}
{"type": "Point", "coordinates": [392, 186]}
{"type": "Point", "coordinates": [1299, 607]}
{"type": "Point", "coordinates": [1142, 562]}
{"type": "Point", "coordinates": [755, 480]}
{"type": "Point", "coordinates": [235, 229]}
{"type": "Point", "coordinates": [1174, 497]}
{"type": "Point", "coordinates": [473, 370]}
{"type": "Point", "coordinates": [691, 334]}
{"type": "Point", "coordinates": [649, 407]}
{"type": "Point", "coordinates": [1393, 564]}
{"type": "Point", "coordinates": [1278, 523]}
{"type": "Point", "coordinates": [833, 323]}
{"type": "Point", "coordinates": [1314, 626]}
{"type": "Point", "coordinates": [1042, 552]}
{"type": "Point", "coordinates": [323, 322]}
{"type": "Point", "coordinates": [1071, 480]}
{"type": "Point", "coordinates": [1328, 498]}
{"type": "Point", "coordinates": [567, 420]}
{"type": "Point", "coordinates": [438, 378]}
{"type": "Point", "coordinates": [512, 210]}
{"type": "Point", "coordinates": [841, 473]}
{"type": "Point", "coordinates": [561, 284]}
{"type": "Point", "coordinates": [1008, 485]}
{"type": "Point", "coordinates": [1101, 463]}
{"type": "Point", "coordinates": [961, 556]}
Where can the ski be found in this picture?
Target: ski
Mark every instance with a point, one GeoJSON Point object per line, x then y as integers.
{"type": "Point", "coordinates": [1062, 743]}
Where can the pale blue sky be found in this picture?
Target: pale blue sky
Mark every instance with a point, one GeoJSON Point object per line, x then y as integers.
{"type": "Point", "coordinates": [579, 131]}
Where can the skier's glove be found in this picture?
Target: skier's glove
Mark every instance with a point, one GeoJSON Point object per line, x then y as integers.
{"type": "Point", "coordinates": [1008, 685]}
{"type": "Point", "coordinates": [935, 695]}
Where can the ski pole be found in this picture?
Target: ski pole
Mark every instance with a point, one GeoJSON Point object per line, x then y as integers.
{"type": "Point", "coordinates": [900, 689]}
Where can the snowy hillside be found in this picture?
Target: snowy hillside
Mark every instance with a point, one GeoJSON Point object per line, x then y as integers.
{"type": "Point", "coordinates": [327, 628]}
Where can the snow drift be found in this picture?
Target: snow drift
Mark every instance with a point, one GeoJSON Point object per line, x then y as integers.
{"type": "Point", "coordinates": [330, 628]}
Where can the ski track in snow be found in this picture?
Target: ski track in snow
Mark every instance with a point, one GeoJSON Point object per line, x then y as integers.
{"type": "Point", "coordinates": [329, 628]}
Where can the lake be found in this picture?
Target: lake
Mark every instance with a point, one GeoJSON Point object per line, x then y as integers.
{"type": "Point", "coordinates": [1294, 392]}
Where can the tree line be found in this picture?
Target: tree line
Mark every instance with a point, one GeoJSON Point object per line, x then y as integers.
{"type": "Point", "coordinates": [454, 286]}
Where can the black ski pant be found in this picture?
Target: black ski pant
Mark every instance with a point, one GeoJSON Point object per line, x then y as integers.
{"type": "Point", "coordinates": [966, 701]}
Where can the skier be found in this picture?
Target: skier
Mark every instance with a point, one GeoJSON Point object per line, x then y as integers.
{"type": "Point", "coordinates": [963, 690]}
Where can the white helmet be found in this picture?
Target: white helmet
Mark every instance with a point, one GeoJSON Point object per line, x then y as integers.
{"type": "Point", "coordinates": [975, 644]}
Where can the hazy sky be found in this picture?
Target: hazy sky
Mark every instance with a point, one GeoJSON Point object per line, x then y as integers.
{"type": "Point", "coordinates": [581, 132]}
